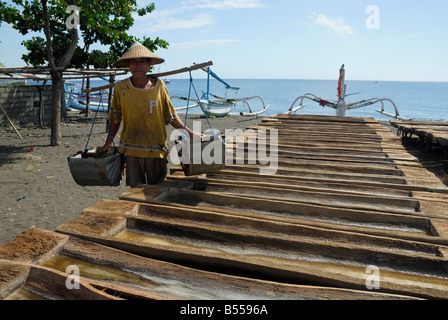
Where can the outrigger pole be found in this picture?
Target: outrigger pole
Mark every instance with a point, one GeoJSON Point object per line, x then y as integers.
{"type": "Point", "coordinates": [157, 75]}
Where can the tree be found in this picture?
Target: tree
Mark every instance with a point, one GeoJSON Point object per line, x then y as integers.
{"type": "Point", "coordinates": [102, 22]}
{"type": "Point", "coordinates": [1, 64]}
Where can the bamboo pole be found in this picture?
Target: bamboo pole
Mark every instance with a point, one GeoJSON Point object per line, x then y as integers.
{"type": "Point", "coordinates": [157, 75]}
{"type": "Point", "coordinates": [10, 122]}
{"type": "Point", "coordinates": [87, 98]}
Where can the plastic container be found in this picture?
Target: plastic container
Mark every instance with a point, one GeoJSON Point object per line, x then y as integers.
{"type": "Point", "coordinates": [207, 156]}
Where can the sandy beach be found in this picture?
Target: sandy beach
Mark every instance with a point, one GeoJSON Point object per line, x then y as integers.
{"type": "Point", "coordinates": [36, 186]}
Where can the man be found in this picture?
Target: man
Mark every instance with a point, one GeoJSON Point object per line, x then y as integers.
{"type": "Point", "coordinates": [143, 105]}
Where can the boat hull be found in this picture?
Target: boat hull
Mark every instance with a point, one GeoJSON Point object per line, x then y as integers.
{"type": "Point", "coordinates": [79, 102]}
{"type": "Point", "coordinates": [217, 108]}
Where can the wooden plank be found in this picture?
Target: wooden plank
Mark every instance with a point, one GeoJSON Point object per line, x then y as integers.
{"type": "Point", "coordinates": [357, 186]}
{"type": "Point", "coordinates": [405, 164]}
{"type": "Point", "coordinates": [331, 165]}
{"type": "Point", "coordinates": [430, 123]}
{"type": "Point", "coordinates": [393, 153]}
{"type": "Point", "coordinates": [323, 118]}
{"type": "Point", "coordinates": [214, 245]}
{"type": "Point", "coordinates": [321, 149]}
{"type": "Point", "coordinates": [107, 273]}
{"type": "Point", "coordinates": [430, 132]}
{"type": "Point", "coordinates": [319, 196]}
{"type": "Point", "coordinates": [370, 132]}
{"type": "Point", "coordinates": [304, 141]}
{"type": "Point", "coordinates": [330, 131]}
{"type": "Point", "coordinates": [360, 177]}
{"type": "Point", "coordinates": [242, 175]}
{"type": "Point", "coordinates": [168, 212]}
{"type": "Point", "coordinates": [44, 284]}
{"type": "Point", "coordinates": [329, 155]}
{"type": "Point", "coordinates": [412, 225]}
{"type": "Point", "coordinates": [430, 203]}
{"type": "Point", "coordinates": [236, 178]}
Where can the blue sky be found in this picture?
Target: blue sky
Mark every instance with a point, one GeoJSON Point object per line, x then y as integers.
{"type": "Point", "coordinates": [398, 40]}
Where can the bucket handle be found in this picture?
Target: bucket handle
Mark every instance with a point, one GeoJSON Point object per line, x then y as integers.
{"type": "Point", "coordinates": [200, 105]}
{"type": "Point", "coordinates": [86, 149]}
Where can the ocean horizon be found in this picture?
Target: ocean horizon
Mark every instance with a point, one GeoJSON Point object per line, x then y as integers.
{"type": "Point", "coordinates": [417, 100]}
{"type": "Point", "coordinates": [420, 101]}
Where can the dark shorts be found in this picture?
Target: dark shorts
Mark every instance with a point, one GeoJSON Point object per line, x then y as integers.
{"type": "Point", "coordinates": [145, 170]}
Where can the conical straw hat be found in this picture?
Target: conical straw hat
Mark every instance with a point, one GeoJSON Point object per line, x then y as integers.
{"type": "Point", "coordinates": [138, 51]}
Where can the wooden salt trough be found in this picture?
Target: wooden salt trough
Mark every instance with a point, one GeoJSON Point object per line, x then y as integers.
{"type": "Point", "coordinates": [39, 272]}
{"type": "Point", "coordinates": [394, 217]}
{"type": "Point", "coordinates": [346, 199]}
{"type": "Point", "coordinates": [274, 250]}
{"type": "Point", "coordinates": [432, 134]}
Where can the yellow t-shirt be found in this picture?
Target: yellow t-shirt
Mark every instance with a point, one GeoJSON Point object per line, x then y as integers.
{"type": "Point", "coordinates": [145, 113]}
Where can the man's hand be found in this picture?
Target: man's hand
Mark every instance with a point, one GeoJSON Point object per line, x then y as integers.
{"type": "Point", "coordinates": [197, 135]}
{"type": "Point", "coordinates": [102, 150]}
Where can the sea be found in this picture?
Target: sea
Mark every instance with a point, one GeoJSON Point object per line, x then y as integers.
{"type": "Point", "coordinates": [420, 101]}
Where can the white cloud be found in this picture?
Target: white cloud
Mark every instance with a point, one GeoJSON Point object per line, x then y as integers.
{"type": "Point", "coordinates": [167, 22]}
{"type": "Point", "coordinates": [337, 25]}
{"type": "Point", "coordinates": [226, 4]}
{"type": "Point", "coordinates": [202, 43]}
{"type": "Point", "coordinates": [183, 17]}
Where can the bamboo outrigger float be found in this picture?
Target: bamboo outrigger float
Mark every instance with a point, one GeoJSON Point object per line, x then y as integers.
{"type": "Point", "coordinates": [214, 105]}
{"type": "Point", "coordinates": [341, 105]}
{"type": "Point", "coordinates": [336, 214]}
